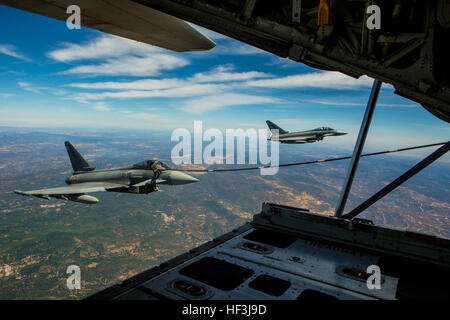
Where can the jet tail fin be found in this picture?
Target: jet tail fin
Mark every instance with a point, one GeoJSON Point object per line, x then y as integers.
{"type": "Point", "coordinates": [78, 162]}
{"type": "Point", "coordinates": [272, 125]}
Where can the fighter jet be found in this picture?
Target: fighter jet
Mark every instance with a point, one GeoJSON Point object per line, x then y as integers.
{"type": "Point", "coordinates": [138, 178]}
{"type": "Point", "coordinates": [299, 137]}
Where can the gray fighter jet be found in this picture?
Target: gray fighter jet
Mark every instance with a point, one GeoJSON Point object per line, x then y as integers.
{"type": "Point", "coordinates": [301, 136]}
{"type": "Point", "coordinates": [141, 177]}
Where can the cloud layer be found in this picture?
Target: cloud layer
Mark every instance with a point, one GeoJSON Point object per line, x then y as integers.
{"type": "Point", "coordinates": [204, 91]}
{"type": "Point", "coordinates": [331, 80]}
{"type": "Point", "coordinates": [123, 57]}
{"type": "Point", "coordinates": [103, 47]}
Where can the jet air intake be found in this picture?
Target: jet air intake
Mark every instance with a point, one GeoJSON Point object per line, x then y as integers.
{"type": "Point", "coordinates": [84, 199]}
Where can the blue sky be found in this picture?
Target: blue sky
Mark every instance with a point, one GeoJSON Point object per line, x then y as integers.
{"type": "Point", "coordinates": [53, 77]}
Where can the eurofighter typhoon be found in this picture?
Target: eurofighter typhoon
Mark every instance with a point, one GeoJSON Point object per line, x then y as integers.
{"type": "Point", "coordinates": [139, 178]}
{"type": "Point", "coordinates": [299, 137]}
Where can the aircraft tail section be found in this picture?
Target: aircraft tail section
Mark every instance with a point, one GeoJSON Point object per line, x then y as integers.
{"type": "Point", "coordinates": [272, 125]}
{"type": "Point", "coordinates": [78, 162]}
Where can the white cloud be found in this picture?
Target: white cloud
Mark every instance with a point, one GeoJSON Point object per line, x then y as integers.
{"type": "Point", "coordinates": [101, 48]}
{"type": "Point", "coordinates": [220, 80]}
{"type": "Point", "coordinates": [11, 51]}
{"type": "Point", "coordinates": [215, 89]}
{"type": "Point", "coordinates": [6, 95]}
{"type": "Point", "coordinates": [131, 66]}
{"type": "Point", "coordinates": [218, 74]}
{"type": "Point", "coordinates": [332, 103]}
{"type": "Point", "coordinates": [186, 91]}
{"type": "Point", "coordinates": [145, 84]}
{"type": "Point", "coordinates": [123, 57]}
{"type": "Point", "coordinates": [222, 74]}
{"type": "Point", "coordinates": [28, 87]}
{"type": "Point", "coordinates": [331, 80]}
{"type": "Point", "coordinates": [209, 103]}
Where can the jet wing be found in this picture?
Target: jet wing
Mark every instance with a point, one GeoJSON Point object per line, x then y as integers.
{"type": "Point", "coordinates": [79, 188]}
{"type": "Point", "coordinates": [123, 18]}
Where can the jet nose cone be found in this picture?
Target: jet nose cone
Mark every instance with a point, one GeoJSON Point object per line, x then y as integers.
{"type": "Point", "coordinates": [177, 177]}
{"type": "Point", "coordinates": [341, 133]}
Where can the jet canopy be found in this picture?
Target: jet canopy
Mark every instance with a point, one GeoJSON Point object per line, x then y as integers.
{"type": "Point", "coordinates": [149, 164]}
{"type": "Point", "coordinates": [324, 128]}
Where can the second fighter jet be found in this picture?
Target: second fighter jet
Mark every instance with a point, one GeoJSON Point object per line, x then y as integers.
{"type": "Point", "coordinates": [299, 137]}
{"type": "Point", "coordinates": [141, 177]}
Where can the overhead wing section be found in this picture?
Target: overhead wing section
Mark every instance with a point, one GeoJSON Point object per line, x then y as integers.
{"type": "Point", "coordinates": [79, 188]}
{"type": "Point", "coordinates": [123, 18]}
{"type": "Point", "coordinates": [405, 50]}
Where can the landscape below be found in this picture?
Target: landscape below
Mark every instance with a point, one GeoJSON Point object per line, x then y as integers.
{"type": "Point", "coordinates": [125, 233]}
